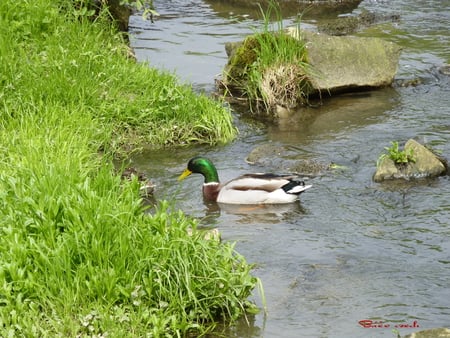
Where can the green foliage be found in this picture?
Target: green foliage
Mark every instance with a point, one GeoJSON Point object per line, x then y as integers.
{"type": "Point", "coordinates": [72, 62]}
{"type": "Point", "coordinates": [75, 240]}
{"type": "Point", "coordinates": [79, 254]}
{"type": "Point", "coordinates": [266, 50]}
{"type": "Point", "coordinates": [145, 6]}
{"type": "Point", "coordinates": [275, 45]}
{"type": "Point", "coordinates": [397, 155]}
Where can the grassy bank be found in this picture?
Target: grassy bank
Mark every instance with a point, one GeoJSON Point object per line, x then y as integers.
{"type": "Point", "coordinates": [55, 58]}
{"type": "Point", "coordinates": [78, 255]}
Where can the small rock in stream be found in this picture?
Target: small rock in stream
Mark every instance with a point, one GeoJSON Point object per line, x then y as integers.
{"type": "Point", "coordinates": [425, 164]}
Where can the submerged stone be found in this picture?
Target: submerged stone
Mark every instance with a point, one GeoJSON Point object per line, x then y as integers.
{"type": "Point", "coordinates": [351, 24]}
{"type": "Point", "coordinates": [280, 158]}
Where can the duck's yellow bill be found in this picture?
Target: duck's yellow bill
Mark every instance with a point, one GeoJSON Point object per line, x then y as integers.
{"type": "Point", "coordinates": [185, 174]}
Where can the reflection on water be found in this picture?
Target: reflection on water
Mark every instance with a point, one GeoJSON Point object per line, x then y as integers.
{"type": "Point", "coordinates": [250, 214]}
{"type": "Point", "coordinates": [351, 249]}
{"type": "Point", "coordinates": [273, 214]}
{"type": "Point", "coordinates": [334, 117]}
{"type": "Point", "coordinates": [244, 327]}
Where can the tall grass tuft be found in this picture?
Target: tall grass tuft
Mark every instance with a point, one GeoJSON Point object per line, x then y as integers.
{"type": "Point", "coordinates": [271, 65]}
{"type": "Point", "coordinates": [79, 255]}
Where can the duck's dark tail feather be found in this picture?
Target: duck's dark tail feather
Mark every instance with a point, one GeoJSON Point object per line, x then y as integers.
{"type": "Point", "coordinates": [295, 187]}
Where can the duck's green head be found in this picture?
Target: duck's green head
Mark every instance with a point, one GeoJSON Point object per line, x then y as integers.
{"type": "Point", "coordinates": [201, 165]}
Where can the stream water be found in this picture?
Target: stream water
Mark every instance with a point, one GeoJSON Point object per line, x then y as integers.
{"type": "Point", "coordinates": [352, 249]}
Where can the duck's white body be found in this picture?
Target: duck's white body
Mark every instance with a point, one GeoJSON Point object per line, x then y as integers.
{"type": "Point", "coordinates": [261, 189]}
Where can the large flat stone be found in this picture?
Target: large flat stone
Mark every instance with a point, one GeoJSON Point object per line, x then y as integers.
{"type": "Point", "coordinates": [344, 63]}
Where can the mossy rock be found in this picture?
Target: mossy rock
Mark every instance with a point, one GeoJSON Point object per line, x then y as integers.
{"type": "Point", "coordinates": [243, 55]}
{"type": "Point", "coordinates": [445, 69]}
{"type": "Point", "coordinates": [324, 65]}
{"type": "Point", "coordinates": [425, 164]}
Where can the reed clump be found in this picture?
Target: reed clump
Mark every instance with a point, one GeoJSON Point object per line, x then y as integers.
{"type": "Point", "coordinates": [270, 67]}
{"type": "Point", "coordinates": [79, 254]}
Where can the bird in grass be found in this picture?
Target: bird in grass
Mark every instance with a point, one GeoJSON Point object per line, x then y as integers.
{"type": "Point", "coordinates": [245, 189]}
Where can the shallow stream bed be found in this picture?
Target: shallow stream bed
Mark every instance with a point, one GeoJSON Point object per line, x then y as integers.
{"type": "Point", "coordinates": [352, 249]}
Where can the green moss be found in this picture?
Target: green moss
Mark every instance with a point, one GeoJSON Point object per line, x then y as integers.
{"type": "Point", "coordinates": [243, 57]}
{"type": "Point", "coordinates": [255, 47]}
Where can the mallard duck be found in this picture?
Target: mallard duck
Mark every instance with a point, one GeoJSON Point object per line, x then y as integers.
{"type": "Point", "coordinates": [246, 189]}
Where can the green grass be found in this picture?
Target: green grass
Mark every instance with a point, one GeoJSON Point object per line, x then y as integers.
{"type": "Point", "coordinates": [54, 58]}
{"type": "Point", "coordinates": [270, 67]}
{"type": "Point", "coordinates": [79, 254]}
{"type": "Point", "coordinates": [400, 157]}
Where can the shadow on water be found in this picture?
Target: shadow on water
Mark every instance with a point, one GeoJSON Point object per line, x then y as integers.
{"type": "Point", "coordinates": [334, 117]}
